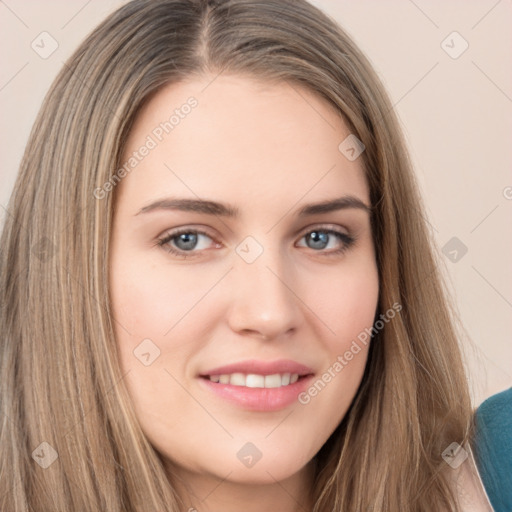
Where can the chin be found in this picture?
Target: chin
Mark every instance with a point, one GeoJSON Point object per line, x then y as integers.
{"type": "Point", "coordinates": [262, 473]}
{"type": "Point", "coordinates": [229, 467]}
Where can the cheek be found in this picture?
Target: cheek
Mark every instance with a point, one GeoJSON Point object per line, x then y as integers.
{"type": "Point", "coordinates": [156, 311]}
{"type": "Point", "coordinates": [151, 308]}
{"type": "Point", "coordinates": [148, 301]}
{"type": "Point", "coordinates": [344, 300]}
{"type": "Point", "coordinates": [346, 303]}
{"type": "Point", "coordinates": [357, 305]}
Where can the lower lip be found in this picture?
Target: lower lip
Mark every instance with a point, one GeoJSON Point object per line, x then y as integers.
{"type": "Point", "coordinates": [259, 399]}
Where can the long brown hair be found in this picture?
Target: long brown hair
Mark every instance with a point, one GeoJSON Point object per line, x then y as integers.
{"type": "Point", "coordinates": [61, 381]}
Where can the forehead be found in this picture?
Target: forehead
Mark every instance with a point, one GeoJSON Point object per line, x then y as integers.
{"type": "Point", "coordinates": [241, 140]}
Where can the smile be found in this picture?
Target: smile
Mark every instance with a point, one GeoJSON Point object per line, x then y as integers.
{"type": "Point", "coordinates": [260, 386]}
{"type": "Point", "coordinates": [252, 380]}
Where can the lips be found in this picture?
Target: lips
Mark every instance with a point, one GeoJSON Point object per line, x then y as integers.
{"type": "Point", "coordinates": [258, 385]}
{"type": "Point", "coordinates": [264, 368]}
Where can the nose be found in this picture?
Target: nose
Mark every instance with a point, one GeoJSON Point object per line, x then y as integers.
{"type": "Point", "coordinates": [264, 303]}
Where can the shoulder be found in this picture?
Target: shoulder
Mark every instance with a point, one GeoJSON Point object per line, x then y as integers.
{"type": "Point", "coordinates": [493, 448]}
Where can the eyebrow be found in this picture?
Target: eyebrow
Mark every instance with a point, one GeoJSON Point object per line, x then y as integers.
{"type": "Point", "coordinates": [226, 210]}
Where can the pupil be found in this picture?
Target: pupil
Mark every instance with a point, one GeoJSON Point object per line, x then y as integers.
{"type": "Point", "coordinates": [319, 239]}
{"type": "Point", "coordinates": [189, 240]}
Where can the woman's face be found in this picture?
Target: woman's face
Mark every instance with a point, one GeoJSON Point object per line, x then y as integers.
{"type": "Point", "coordinates": [219, 259]}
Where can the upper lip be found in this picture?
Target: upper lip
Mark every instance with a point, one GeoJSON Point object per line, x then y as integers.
{"type": "Point", "coordinates": [254, 366]}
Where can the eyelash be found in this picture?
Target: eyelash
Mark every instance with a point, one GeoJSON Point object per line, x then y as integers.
{"type": "Point", "coordinates": [347, 240]}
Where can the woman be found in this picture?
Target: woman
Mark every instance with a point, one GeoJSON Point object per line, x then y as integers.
{"type": "Point", "coordinates": [218, 287]}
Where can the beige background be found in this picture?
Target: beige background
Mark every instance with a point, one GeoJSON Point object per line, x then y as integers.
{"type": "Point", "coordinates": [456, 114]}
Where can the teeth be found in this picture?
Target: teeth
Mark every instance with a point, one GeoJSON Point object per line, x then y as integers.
{"type": "Point", "coordinates": [252, 380]}
{"type": "Point", "coordinates": [237, 379]}
{"type": "Point", "coordinates": [273, 381]}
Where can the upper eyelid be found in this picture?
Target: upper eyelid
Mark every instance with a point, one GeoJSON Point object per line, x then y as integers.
{"type": "Point", "coordinates": [169, 235]}
{"type": "Point", "coordinates": [205, 231]}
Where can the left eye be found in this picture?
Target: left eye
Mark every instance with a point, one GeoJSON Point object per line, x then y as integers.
{"type": "Point", "coordinates": [187, 242]}
{"type": "Point", "coordinates": [322, 238]}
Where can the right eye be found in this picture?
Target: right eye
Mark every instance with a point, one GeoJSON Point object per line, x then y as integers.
{"type": "Point", "coordinates": [184, 242]}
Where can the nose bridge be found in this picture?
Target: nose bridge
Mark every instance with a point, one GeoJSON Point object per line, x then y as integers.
{"type": "Point", "coordinates": [262, 299]}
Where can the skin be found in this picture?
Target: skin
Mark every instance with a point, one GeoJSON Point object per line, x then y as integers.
{"type": "Point", "coordinates": [267, 149]}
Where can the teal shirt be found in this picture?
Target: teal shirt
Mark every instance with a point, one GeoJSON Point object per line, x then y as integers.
{"type": "Point", "coordinates": [493, 448]}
